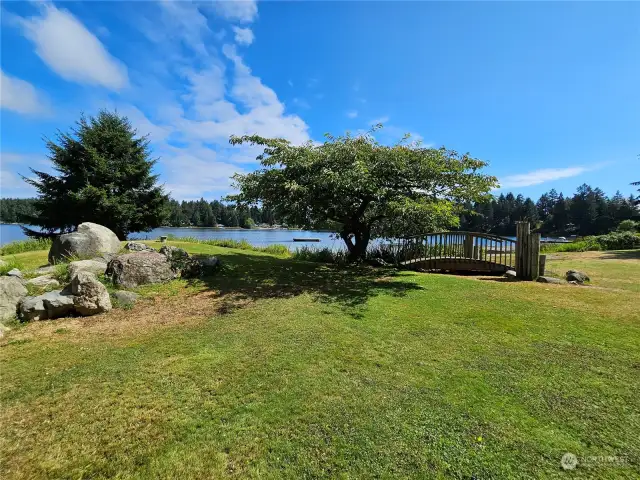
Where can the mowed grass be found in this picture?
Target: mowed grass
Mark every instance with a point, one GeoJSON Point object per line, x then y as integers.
{"type": "Point", "coordinates": [284, 369]}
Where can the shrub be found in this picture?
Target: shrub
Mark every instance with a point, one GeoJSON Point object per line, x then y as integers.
{"type": "Point", "coordinates": [29, 245]}
{"type": "Point", "coordinates": [619, 241]}
{"type": "Point", "coordinates": [628, 226]}
{"type": "Point", "coordinates": [611, 241]}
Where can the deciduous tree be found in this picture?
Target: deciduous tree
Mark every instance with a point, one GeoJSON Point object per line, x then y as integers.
{"type": "Point", "coordinates": [362, 188]}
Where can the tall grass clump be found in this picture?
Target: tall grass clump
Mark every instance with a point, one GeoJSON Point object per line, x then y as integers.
{"type": "Point", "coordinates": [9, 264]}
{"type": "Point", "coordinates": [28, 245]}
{"type": "Point", "coordinates": [320, 255]}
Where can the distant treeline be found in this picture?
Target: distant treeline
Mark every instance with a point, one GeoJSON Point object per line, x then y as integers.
{"type": "Point", "coordinates": [588, 212]}
{"type": "Point", "coordinates": [11, 209]}
{"type": "Point", "coordinates": [198, 213]}
{"type": "Point", "coordinates": [201, 213]}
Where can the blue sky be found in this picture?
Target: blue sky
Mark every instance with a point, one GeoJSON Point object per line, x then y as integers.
{"type": "Point", "coordinates": [548, 93]}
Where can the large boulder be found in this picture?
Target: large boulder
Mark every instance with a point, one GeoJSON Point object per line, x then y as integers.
{"type": "Point", "coordinates": [11, 292]}
{"type": "Point", "coordinates": [576, 276]}
{"type": "Point", "coordinates": [138, 247]}
{"type": "Point", "coordinates": [54, 304]}
{"type": "Point", "coordinates": [90, 240]}
{"type": "Point", "coordinates": [90, 297]}
{"type": "Point", "coordinates": [97, 267]}
{"type": "Point", "coordinates": [140, 268]}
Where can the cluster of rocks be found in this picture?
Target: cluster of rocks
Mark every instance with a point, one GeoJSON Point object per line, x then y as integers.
{"type": "Point", "coordinates": [573, 277]}
{"type": "Point", "coordinates": [85, 294]}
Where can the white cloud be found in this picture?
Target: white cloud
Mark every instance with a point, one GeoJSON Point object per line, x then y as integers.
{"type": "Point", "coordinates": [352, 113]}
{"type": "Point", "coordinates": [376, 121]}
{"type": "Point", "coordinates": [20, 96]}
{"type": "Point", "coordinates": [243, 36]}
{"type": "Point", "coordinates": [543, 175]}
{"type": "Point", "coordinates": [235, 10]}
{"type": "Point", "coordinates": [71, 51]}
{"type": "Point", "coordinates": [183, 21]}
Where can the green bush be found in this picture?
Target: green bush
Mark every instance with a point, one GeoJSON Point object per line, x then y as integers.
{"type": "Point", "coordinates": [629, 226]}
{"type": "Point", "coordinates": [619, 241]}
{"type": "Point", "coordinates": [29, 245]}
{"type": "Point", "coordinates": [611, 241]}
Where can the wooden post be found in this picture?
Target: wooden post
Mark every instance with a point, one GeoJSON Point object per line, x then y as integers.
{"type": "Point", "coordinates": [534, 256]}
{"type": "Point", "coordinates": [542, 265]}
{"type": "Point", "coordinates": [523, 230]}
{"type": "Point", "coordinates": [468, 245]}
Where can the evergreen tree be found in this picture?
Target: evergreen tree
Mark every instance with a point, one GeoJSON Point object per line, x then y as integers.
{"type": "Point", "coordinates": [104, 176]}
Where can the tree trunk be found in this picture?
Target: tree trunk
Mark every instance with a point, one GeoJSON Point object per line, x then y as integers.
{"type": "Point", "coordinates": [357, 242]}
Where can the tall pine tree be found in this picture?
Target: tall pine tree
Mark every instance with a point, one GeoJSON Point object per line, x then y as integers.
{"type": "Point", "coordinates": [104, 176]}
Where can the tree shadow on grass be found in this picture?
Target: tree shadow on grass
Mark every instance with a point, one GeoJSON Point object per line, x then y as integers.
{"type": "Point", "coordinates": [253, 277]}
{"type": "Point", "coordinates": [621, 255]}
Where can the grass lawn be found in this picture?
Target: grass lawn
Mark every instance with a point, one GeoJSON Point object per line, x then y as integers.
{"type": "Point", "coordinates": [284, 369]}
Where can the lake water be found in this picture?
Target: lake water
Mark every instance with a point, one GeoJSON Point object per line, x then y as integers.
{"type": "Point", "coordinates": [258, 237]}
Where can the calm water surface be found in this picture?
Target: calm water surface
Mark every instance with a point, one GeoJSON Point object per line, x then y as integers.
{"type": "Point", "coordinates": [257, 237]}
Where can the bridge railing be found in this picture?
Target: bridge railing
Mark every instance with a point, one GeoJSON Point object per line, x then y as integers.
{"type": "Point", "coordinates": [456, 246]}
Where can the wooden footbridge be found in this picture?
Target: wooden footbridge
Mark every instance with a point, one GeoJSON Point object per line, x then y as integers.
{"type": "Point", "coordinates": [472, 252]}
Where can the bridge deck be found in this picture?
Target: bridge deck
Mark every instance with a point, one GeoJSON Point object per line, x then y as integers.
{"type": "Point", "coordinates": [456, 264]}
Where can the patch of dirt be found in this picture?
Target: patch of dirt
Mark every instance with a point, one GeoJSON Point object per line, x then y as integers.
{"type": "Point", "coordinates": [146, 314]}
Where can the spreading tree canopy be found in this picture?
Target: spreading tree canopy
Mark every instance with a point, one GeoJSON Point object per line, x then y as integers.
{"type": "Point", "coordinates": [361, 188]}
{"type": "Point", "coordinates": [104, 176]}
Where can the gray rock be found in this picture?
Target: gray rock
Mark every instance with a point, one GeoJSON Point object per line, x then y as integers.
{"type": "Point", "coordinates": [14, 272]}
{"type": "Point", "coordinates": [177, 257]}
{"type": "Point", "coordinates": [90, 240]}
{"type": "Point", "coordinates": [97, 267]}
{"type": "Point", "coordinates": [549, 280]}
{"type": "Point", "coordinates": [199, 266]}
{"type": "Point", "coordinates": [54, 304]}
{"type": "Point", "coordinates": [510, 275]}
{"type": "Point", "coordinates": [125, 298]}
{"type": "Point", "coordinates": [90, 297]}
{"type": "Point", "coordinates": [32, 308]}
{"type": "Point", "coordinates": [576, 276]}
{"type": "Point", "coordinates": [46, 270]}
{"type": "Point", "coordinates": [138, 247]}
{"type": "Point", "coordinates": [130, 270]}
{"type": "Point", "coordinates": [11, 292]}
{"type": "Point", "coordinates": [44, 281]}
